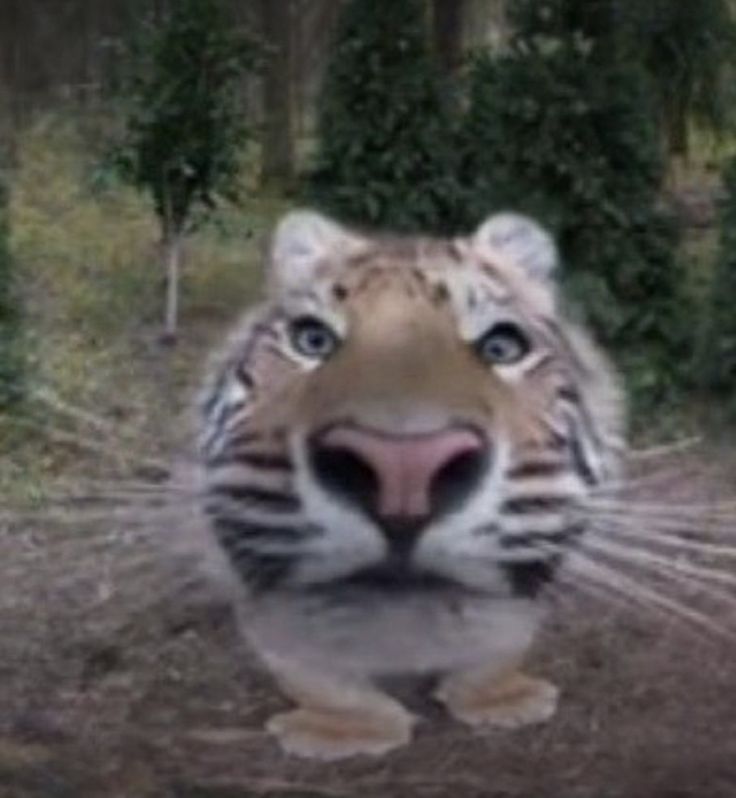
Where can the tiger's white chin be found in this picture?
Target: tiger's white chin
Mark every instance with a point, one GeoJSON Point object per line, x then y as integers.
{"type": "Point", "coordinates": [371, 633]}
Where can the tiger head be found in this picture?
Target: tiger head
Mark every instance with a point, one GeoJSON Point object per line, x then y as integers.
{"type": "Point", "coordinates": [406, 414]}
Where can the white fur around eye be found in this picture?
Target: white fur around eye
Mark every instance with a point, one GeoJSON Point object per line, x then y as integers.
{"type": "Point", "coordinates": [475, 307]}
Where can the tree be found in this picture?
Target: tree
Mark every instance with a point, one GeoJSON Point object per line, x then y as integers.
{"type": "Point", "coordinates": [689, 50]}
{"type": "Point", "coordinates": [561, 126]}
{"type": "Point", "coordinates": [447, 29]}
{"type": "Point", "coordinates": [277, 159]}
{"type": "Point", "coordinates": [186, 122]}
{"type": "Point", "coordinates": [11, 356]}
{"type": "Point", "coordinates": [386, 151]}
{"type": "Point", "coordinates": [718, 358]}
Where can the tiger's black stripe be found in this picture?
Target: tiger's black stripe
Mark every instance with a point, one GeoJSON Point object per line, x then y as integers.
{"type": "Point", "coordinates": [532, 538]}
{"type": "Point", "coordinates": [263, 572]}
{"type": "Point", "coordinates": [531, 469]}
{"type": "Point", "coordinates": [274, 500]}
{"type": "Point", "coordinates": [581, 426]}
{"type": "Point", "coordinates": [527, 578]}
{"type": "Point", "coordinates": [245, 544]}
{"type": "Point", "coordinates": [237, 530]}
{"type": "Point", "coordinates": [267, 461]}
{"type": "Point", "coordinates": [528, 505]}
{"type": "Point", "coordinates": [580, 462]}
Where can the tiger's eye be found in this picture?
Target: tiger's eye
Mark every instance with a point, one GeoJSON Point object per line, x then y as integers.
{"type": "Point", "coordinates": [312, 338]}
{"type": "Point", "coordinates": [503, 345]}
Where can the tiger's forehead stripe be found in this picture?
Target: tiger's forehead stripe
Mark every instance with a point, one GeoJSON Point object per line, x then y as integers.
{"type": "Point", "coordinates": [430, 265]}
{"type": "Point", "coordinates": [426, 253]}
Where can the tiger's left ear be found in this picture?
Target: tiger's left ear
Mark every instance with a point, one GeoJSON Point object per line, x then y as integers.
{"type": "Point", "coordinates": [304, 242]}
{"type": "Point", "coordinates": [519, 241]}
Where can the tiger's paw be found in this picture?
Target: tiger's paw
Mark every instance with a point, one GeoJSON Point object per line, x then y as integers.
{"type": "Point", "coordinates": [507, 702]}
{"type": "Point", "coordinates": [330, 734]}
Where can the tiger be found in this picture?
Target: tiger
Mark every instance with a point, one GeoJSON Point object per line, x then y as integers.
{"type": "Point", "coordinates": [395, 444]}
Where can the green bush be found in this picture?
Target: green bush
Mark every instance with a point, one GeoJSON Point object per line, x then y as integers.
{"type": "Point", "coordinates": [561, 126]}
{"type": "Point", "coordinates": [386, 152]}
{"type": "Point", "coordinates": [11, 357]}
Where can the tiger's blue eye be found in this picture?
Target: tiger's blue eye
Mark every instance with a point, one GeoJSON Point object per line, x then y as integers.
{"type": "Point", "coordinates": [312, 338]}
{"type": "Point", "coordinates": [503, 345]}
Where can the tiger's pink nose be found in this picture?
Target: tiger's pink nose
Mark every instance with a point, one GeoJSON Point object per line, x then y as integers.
{"type": "Point", "coordinates": [400, 478]}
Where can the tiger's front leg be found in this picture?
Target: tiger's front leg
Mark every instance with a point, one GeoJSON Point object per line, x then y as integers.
{"type": "Point", "coordinates": [336, 717]}
{"type": "Point", "coordinates": [507, 699]}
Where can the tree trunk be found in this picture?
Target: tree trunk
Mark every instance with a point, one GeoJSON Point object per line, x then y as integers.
{"type": "Point", "coordinates": [679, 130]}
{"type": "Point", "coordinates": [277, 167]}
{"type": "Point", "coordinates": [172, 248]}
{"type": "Point", "coordinates": [447, 25]}
{"type": "Point", "coordinates": [677, 143]}
{"type": "Point", "coordinates": [11, 38]}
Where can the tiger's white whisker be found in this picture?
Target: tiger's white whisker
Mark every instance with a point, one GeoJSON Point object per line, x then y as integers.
{"type": "Point", "coordinates": [653, 525]}
{"type": "Point", "coordinates": [701, 576]}
{"type": "Point", "coordinates": [579, 583]}
{"type": "Point", "coordinates": [662, 507]}
{"type": "Point", "coordinates": [634, 483]}
{"type": "Point", "coordinates": [656, 537]}
{"type": "Point", "coordinates": [603, 574]}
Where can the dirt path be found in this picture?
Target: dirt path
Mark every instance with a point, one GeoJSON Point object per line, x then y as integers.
{"type": "Point", "coordinates": [115, 685]}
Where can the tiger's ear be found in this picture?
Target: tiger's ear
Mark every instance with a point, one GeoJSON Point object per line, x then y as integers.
{"type": "Point", "coordinates": [303, 242]}
{"type": "Point", "coordinates": [520, 241]}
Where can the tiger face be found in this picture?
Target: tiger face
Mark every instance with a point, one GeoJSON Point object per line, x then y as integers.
{"type": "Point", "coordinates": [406, 417]}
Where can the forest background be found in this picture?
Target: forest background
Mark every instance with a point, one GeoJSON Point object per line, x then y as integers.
{"type": "Point", "coordinates": [610, 122]}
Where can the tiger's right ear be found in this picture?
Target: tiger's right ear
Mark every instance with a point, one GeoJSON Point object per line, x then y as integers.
{"type": "Point", "coordinates": [521, 241]}
{"type": "Point", "coordinates": [303, 242]}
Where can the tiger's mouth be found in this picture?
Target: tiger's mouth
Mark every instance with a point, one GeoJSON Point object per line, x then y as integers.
{"type": "Point", "coordinates": [395, 577]}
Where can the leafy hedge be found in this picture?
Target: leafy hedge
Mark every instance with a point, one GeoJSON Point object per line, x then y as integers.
{"type": "Point", "coordinates": [387, 154]}
{"type": "Point", "coordinates": [562, 126]}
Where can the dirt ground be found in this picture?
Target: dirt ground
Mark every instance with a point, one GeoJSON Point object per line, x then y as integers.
{"type": "Point", "coordinates": [116, 684]}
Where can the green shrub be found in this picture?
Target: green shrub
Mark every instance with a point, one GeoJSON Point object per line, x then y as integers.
{"type": "Point", "coordinates": [386, 153]}
{"type": "Point", "coordinates": [561, 126]}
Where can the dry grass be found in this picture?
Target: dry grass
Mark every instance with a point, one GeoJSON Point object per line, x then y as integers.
{"type": "Point", "coordinates": [87, 257]}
